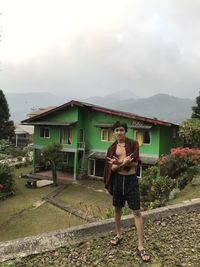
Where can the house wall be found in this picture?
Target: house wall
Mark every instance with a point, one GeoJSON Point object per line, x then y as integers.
{"type": "Point", "coordinates": [161, 136]}
{"type": "Point", "coordinates": [166, 139]}
{"type": "Point", "coordinates": [93, 133]}
{"type": "Point", "coordinates": [66, 115]}
{"type": "Point", "coordinates": [153, 147]}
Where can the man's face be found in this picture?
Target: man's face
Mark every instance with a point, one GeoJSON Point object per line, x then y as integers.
{"type": "Point", "coordinates": [119, 133]}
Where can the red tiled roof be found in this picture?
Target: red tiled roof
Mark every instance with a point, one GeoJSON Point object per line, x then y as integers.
{"type": "Point", "coordinates": [101, 109]}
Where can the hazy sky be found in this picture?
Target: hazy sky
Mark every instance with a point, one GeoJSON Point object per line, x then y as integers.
{"type": "Point", "coordinates": [96, 47]}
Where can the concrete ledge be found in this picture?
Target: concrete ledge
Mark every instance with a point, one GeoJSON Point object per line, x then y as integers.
{"type": "Point", "coordinates": [52, 240]}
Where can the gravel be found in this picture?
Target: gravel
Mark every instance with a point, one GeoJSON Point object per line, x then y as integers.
{"type": "Point", "coordinates": [172, 241]}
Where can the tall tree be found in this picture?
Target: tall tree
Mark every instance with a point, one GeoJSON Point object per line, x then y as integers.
{"type": "Point", "coordinates": [190, 131]}
{"type": "Point", "coordinates": [52, 154]}
{"type": "Point", "coordinates": [196, 109]}
{"type": "Point", "coordinates": [6, 125]}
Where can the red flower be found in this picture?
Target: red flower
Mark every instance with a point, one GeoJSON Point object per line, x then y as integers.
{"type": "Point", "coordinates": [2, 186]}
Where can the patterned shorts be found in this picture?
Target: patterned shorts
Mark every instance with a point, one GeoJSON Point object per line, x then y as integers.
{"type": "Point", "coordinates": [126, 188]}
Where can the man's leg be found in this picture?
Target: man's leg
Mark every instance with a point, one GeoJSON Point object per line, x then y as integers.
{"type": "Point", "coordinates": [114, 241]}
{"type": "Point", "coordinates": [140, 231]}
{"type": "Point", "coordinates": [118, 221]}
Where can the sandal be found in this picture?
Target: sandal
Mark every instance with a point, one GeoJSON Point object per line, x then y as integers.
{"type": "Point", "coordinates": [115, 240]}
{"type": "Point", "coordinates": [143, 253]}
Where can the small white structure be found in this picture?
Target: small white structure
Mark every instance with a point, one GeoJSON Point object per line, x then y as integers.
{"type": "Point", "coordinates": [23, 134]}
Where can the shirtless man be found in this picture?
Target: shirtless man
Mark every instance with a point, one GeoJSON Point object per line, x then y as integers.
{"type": "Point", "coordinates": [122, 183]}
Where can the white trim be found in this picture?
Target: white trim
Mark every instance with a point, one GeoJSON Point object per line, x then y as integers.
{"type": "Point", "coordinates": [94, 176]}
{"type": "Point", "coordinates": [140, 176]}
{"type": "Point", "coordinates": [103, 140]}
{"type": "Point", "coordinates": [108, 130]}
{"type": "Point", "coordinates": [89, 167]}
{"type": "Point", "coordinates": [70, 129]}
{"type": "Point", "coordinates": [150, 134]}
{"type": "Point", "coordinates": [44, 132]}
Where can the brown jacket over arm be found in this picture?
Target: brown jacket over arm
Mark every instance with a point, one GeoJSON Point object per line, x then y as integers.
{"type": "Point", "coordinates": [131, 146]}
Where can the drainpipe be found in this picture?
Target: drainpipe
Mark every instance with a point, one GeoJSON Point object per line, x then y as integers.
{"type": "Point", "coordinates": [75, 165]}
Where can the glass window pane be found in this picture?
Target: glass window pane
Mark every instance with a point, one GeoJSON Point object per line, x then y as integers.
{"type": "Point", "coordinates": [139, 137]}
{"type": "Point", "coordinates": [104, 134]}
{"type": "Point", "coordinates": [147, 137]}
{"type": "Point", "coordinates": [99, 168]}
{"type": "Point", "coordinates": [111, 135]}
{"type": "Point", "coordinates": [91, 167]}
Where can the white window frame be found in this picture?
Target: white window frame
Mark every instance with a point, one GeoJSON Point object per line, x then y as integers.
{"type": "Point", "coordinates": [103, 140]}
{"type": "Point", "coordinates": [150, 134]}
{"type": "Point", "coordinates": [43, 127]}
{"type": "Point", "coordinates": [70, 129]}
{"type": "Point", "coordinates": [140, 176]}
{"type": "Point", "coordinates": [89, 167]}
{"type": "Point", "coordinates": [93, 175]}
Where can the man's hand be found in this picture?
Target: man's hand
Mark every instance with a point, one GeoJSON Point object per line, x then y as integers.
{"type": "Point", "coordinates": [114, 160]}
{"type": "Point", "coordinates": [128, 160]}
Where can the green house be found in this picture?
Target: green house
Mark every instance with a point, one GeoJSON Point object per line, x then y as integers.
{"type": "Point", "coordinates": [84, 130]}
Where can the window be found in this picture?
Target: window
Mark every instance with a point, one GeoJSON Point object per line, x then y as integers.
{"type": "Point", "coordinates": [143, 137]}
{"type": "Point", "coordinates": [99, 167]}
{"type": "Point", "coordinates": [107, 135]}
{"type": "Point", "coordinates": [91, 170]}
{"type": "Point", "coordinates": [44, 132]}
{"type": "Point", "coordinates": [65, 157]}
{"type": "Point", "coordinates": [140, 170]}
{"type": "Point", "coordinates": [174, 133]}
{"type": "Point", "coordinates": [66, 135]}
{"type": "Point", "coordinates": [96, 167]}
{"type": "Point", "coordinates": [146, 137]}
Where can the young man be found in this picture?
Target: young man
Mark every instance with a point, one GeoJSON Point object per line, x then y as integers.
{"type": "Point", "coordinates": [122, 183]}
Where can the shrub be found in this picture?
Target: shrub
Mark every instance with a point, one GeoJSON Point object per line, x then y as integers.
{"type": "Point", "coordinates": [154, 204]}
{"type": "Point", "coordinates": [146, 181]}
{"type": "Point", "coordinates": [15, 151]}
{"type": "Point", "coordinates": [151, 172]}
{"type": "Point", "coordinates": [161, 187]}
{"type": "Point", "coordinates": [178, 161]}
{"type": "Point", "coordinates": [6, 179]}
{"type": "Point", "coordinates": [173, 194]}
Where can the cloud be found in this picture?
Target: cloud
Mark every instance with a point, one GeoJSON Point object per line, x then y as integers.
{"type": "Point", "coordinates": [103, 46]}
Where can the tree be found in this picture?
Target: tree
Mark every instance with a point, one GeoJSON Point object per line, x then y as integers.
{"type": "Point", "coordinates": [196, 109]}
{"type": "Point", "coordinates": [6, 125]}
{"type": "Point", "coordinates": [190, 131]}
{"type": "Point", "coordinates": [52, 154]}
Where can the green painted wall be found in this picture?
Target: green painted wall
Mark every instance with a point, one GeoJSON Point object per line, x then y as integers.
{"type": "Point", "coordinates": [66, 115]}
{"type": "Point", "coordinates": [153, 147]}
{"type": "Point", "coordinates": [166, 139]}
{"type": "Point", "coordinates": [93, 133]}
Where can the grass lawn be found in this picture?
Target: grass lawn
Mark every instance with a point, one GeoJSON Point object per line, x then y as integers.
{"type": "Point", "coordinates": [18, 218]}
{"type": "Point", "coordinates": [37, 221]}
{"type": "Point", "coordinates": [90, 196]}
{"type": "Point", "coordinates": [192, 190]}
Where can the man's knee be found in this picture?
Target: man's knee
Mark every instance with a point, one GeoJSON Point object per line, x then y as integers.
{"type": "Point", "coordinates": [137, 213]}
{"type": "Point", "coordinates": [118, 210]}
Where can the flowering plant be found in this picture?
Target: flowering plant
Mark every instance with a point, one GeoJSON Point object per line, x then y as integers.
{"type": "Point", "coordinates": [178, 161]}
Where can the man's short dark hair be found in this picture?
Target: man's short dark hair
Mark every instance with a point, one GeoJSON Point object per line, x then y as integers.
{"type": "Point", "coordinates": [118, 124]}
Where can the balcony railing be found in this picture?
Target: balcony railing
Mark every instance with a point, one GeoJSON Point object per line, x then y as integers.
{"type": "Point", "coordinates": [81, 145]}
